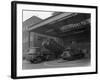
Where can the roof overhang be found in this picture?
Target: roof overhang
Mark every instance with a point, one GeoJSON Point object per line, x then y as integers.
{"type": "Point", "coordinates": [50, 20]}
{"type": "Point", "coordinates": [54, 26]}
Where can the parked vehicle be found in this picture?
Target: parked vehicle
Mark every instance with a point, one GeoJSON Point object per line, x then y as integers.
{"type": "Point", "coordinates": [72, 54]}
{"type": "Point", "coordinates": [40, 57]}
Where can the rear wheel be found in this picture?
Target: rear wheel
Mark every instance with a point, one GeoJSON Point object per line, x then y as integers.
{"type": "Point", "coordinates": [36, 60]}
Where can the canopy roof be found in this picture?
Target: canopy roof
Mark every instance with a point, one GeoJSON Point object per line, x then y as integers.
{"type": "Point", "coordinates": [60, 25]}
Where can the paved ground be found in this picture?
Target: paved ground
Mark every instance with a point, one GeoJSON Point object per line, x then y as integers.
{"type": "Point", "coordinates": [55, 64]}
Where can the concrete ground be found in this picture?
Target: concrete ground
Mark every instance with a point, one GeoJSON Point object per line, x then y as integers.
{"type": "Point", "coordinates": [56, 64]}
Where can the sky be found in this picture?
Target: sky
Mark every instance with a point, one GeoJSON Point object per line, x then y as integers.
{"type": "Point", "coordinates": [40, 14]}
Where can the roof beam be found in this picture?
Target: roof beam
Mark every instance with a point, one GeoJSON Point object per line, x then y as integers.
{"type": "Point", "coordinates": [49, 20]}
